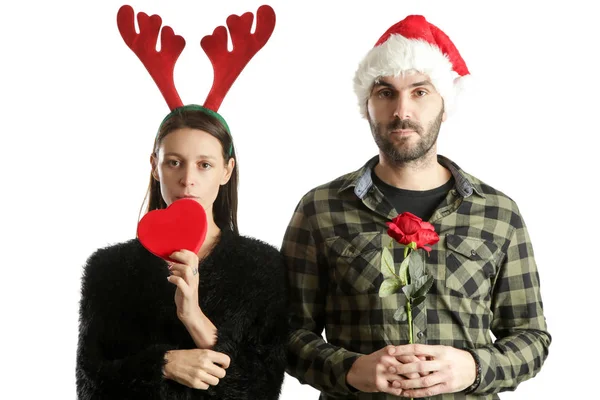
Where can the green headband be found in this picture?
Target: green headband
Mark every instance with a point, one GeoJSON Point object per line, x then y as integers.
{"type": "Point", "coordinates": [207, 111]}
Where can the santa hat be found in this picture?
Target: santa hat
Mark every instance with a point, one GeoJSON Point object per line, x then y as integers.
{"type": "Point", "coordinates": [412, 44]}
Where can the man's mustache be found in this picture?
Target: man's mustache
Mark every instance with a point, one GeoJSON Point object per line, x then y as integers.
{"type": "Point", "coordinates": [404, 124]}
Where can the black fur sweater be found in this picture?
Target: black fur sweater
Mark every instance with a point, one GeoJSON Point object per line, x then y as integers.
{"type": "Point", "coordinates": [128, 321]}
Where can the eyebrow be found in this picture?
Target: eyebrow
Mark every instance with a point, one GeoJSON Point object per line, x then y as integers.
{"type": "Point", "coordinates": [413, 85]}
{"type": "Point", "coordinates": [422, 83]}
{"type": "Point", "coordinates": [206, 156]}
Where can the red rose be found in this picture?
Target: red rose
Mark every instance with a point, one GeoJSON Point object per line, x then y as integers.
{"type": "Point", "coordinates": [407, 228]}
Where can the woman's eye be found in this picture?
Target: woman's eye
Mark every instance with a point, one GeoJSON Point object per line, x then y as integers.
{"type": "Point", "coordinates": [173, 163]}
{"type": "Point", "coordinates": [205, 165]}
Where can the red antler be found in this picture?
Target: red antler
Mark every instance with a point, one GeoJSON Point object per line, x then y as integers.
{"type": "Point", "coordinates": [160, 64]}
{"type": "Point", "coordinates": [228, 65]}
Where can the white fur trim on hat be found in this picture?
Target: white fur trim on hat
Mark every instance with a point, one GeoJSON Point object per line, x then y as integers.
{"type": "Point", "coordinates": [398, 55]}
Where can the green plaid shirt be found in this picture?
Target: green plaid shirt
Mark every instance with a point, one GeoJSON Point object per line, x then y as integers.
{"type": "Point", "coordinates": [486, 282]}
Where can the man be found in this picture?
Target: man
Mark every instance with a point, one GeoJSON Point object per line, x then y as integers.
{"type": "Point", "coordinates": [485, 277]}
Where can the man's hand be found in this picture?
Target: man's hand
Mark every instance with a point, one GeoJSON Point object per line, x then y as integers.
{"type": "Point", "coordinates": [370, 373]}
{"type": "Point", "coordinates": [444, 369]}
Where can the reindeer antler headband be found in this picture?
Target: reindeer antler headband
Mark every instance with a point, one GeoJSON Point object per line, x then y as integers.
{"type": "Point", "coordinates": [227, 65]}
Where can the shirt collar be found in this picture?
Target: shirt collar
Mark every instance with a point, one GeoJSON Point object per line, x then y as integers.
{"type": "Point", "coordinates": [361, 179]}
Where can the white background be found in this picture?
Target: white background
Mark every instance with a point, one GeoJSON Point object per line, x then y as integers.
{"type": "Point", "coordinates": [79, 113]}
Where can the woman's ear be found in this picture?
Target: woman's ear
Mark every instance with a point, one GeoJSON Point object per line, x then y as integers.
{"type": "Point", "coordinates": [154, 164]}
{"type": "Point", "coordinates": [228, 171]}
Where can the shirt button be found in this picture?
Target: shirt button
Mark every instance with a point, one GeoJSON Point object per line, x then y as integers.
{"type": "Point", "coordinates": [473, 253]}
{"type": "Point", "coordinates": [420, 335]}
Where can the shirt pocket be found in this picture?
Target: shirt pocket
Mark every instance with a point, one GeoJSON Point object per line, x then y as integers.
{"type": "Point", "coordinates": [471, 265]}
{"type": "Point", "coordinates": [356, 262]}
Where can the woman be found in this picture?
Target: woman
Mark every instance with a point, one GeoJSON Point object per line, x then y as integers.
{"type": "Point", "coordinates": [210, 325]}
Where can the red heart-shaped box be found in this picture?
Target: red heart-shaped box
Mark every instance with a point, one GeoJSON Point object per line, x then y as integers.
{"type": "Point", "coordinates": [182, 225]}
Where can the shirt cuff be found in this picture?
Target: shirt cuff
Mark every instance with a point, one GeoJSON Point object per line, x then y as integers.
{"type": "Point", "coordinates": [340, 369]}
{"type": "Point", "coordinates": [477, 381]}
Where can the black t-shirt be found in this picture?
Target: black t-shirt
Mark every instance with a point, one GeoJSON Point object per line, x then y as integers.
{"type": "Point", "coordinates": [421, 203]}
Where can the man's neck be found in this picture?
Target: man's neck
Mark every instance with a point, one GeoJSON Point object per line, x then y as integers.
{"type": "Point", "coordinates": [422, 174]}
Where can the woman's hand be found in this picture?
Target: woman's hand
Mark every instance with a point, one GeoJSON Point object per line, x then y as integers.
{"type": "Point", "coordinates": [184, 275]}
{"type": "Point", "coordinates": [197, 368]}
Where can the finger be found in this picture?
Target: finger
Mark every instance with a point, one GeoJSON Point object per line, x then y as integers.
{"type": "Point", "coordinates": [186, 272]}
{"type": "Point", "coordinates": [389, 361]}
{"type": "Point", "coordinates": [413, 375]}
{"type": "Point", "coordinates": [184, 257]}
{"type": "Point", "coordinates": [178, 256]}
{"type": "Point", "coordinates": [208, 378]}
{"type": "Point", "coordinates": [391, 378]}
{"type": "Point", "coordinates": [420, 367]}
{"type": "Point", "coordinates": [424, 392]}
{"type": "Point", "coordinates": [388, 367]}
{"type": "Point", "coordinates": [396, 384]}
{"type": "Point", "coordinates": [389, 350]}
{"type": "Point", "coordinates": [178, 269]}
{"type": "Point", "coordinates": [216, 371]}
{"type": "Point", "coordinates": [193, 382]}
{"type": "Point", "coordinates": [189, 284]}
{"type": "Point", "coordinates": [409, 359]}
{"type": "Point", "coordinates": [219, 358]}
{"type": "Point", "coordinates": [422, 382]}
{"type": "Point", "coordinates": [179, 282]}
{"type": "Point", "coordinates": [417, 350]}
{"type": "Point", "coordinates": [183, 269]}
{"type": "Point", "coordinates": [187, 253]}
{"type": "Point", "coordinates": [199, 384]}
{"type": "Point", "coordinates": [385, 386]}
{"type": "Point", "coordinates": [393, 390]}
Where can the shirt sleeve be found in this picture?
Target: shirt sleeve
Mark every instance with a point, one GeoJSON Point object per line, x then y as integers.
{"type": "Point", "coordinates": [519, 325]}
{"type": "Point", "coordinates": [311, 359]}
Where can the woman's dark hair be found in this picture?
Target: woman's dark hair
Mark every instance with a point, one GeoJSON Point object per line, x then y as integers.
{"type": "Point", "coordinates": [195, 117]}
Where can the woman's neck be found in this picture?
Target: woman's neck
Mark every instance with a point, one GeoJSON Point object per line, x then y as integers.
{"type": "Point", "coordinates": [212, 236]}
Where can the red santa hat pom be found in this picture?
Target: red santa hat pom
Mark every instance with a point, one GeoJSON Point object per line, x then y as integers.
{"type": "Point", "coordinates": [412, 45]}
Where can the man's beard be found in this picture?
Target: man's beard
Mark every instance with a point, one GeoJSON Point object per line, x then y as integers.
{"type": "Point", "coordinates": [399, 152]}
